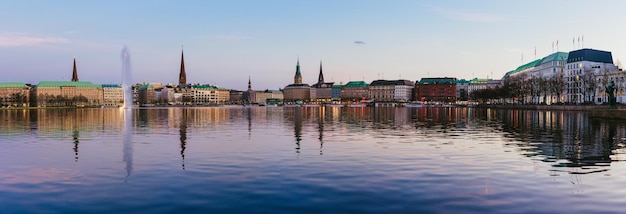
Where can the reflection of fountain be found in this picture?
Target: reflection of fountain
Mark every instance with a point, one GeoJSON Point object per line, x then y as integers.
{"type": "Point", "coordinates": [128, 140]}
{"type": "Point", "coordinates": [126, 78]}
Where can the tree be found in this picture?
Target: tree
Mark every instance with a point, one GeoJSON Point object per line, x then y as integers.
{"type": "Point", "coordinates": [589, 86]}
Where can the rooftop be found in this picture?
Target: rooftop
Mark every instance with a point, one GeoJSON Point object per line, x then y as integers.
{"type": "Point", "coordinates": [13, 85]}
{"type": "Point", "coordinates": [438, 80]}
{"type": "Point", "coordinates": [44, 84]}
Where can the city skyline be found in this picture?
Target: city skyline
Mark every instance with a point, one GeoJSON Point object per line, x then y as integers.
{"type": "Point", "coordinates": [226, 43]}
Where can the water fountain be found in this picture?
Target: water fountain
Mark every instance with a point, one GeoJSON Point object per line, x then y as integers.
{"type": "Point", "coordinates": [126, 79]}
{"type": "Point", "coordinates": [127, 111]}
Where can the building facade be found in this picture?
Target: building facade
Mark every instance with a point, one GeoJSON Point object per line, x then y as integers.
{"type": "Point", "coordinates": [297, 92]}
{"type": "Point", "coordinates": [391, 91]}
{"type": "Point", "coordinates": [14, 94]}
{"type": "Point", "coordinates": [113, 95]}
{"type": "Point", "coordinates": [61, 93]}
{"type": "Point", "coordinates": [436, 90]}
{"type": "Point", "coordinates": [581, 72]}
{"type": "Point", "coordinates": [354, 92]}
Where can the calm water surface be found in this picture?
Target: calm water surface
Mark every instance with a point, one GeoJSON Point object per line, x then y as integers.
{"type": "Point", "coordinates": [310, 160]}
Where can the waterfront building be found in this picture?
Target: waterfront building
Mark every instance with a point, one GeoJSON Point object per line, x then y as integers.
{"type": "Point", "coordinates": [236, 97]}
{"type": "Point", "coordinates": [268, 97]}
{"type": "Point", "coordinates": [462, 90]}
{"type": "Point", "coordinates": [354, 92]}
{"type": "Point", "coordinates": [297, 92]}
{"type": "Point", "coordinates": [67, 93]}
{"type": "Point", "coordinates": [321, 92]}
{"type": "Point", "coordinates": [441, 89]}
{"type": "Point", "coordinates": [336, 93]}
{"type": "Point", "coordinates": [204, 95]}
{"type": "Point", "coordinates": [604, 79]}
{"type": "Point", "coordinates": [146, 94]}
{"type": "Point", "coordinates": [113, 95]}
{"type": "Point", "coordinates": [391, 90]}
{"type": "Point", "coordinates": [14, 94]}
{"type": "Point", "coordinates": [64, 93]}
{"type": "Point", "coordinates": [581, 71]}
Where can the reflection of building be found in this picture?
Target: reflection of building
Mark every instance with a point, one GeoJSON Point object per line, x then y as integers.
{"type": "Point", "coordinates": [297, 92]}
{"type": "Point", "coordinates": [113, 95]}
{"type": "Point", "coordinates": [354, 92]}
{"type": "Point", "coordinates": [436, 89]}
{"type": "Point", "coordinates": [14, 94]}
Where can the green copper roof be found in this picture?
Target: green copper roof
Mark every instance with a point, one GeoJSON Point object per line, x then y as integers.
{"type": "Point", "coordinates": [558, 56]}
{"type": "Point", "coordinates": [529, 65]}
{"type": "Point", "coordinates": [146, 86]}
{"type": "Point", "coordinates": [443, 80]}
{"type": "Point", "coordinates": [12, 85]}
{"type": "Point", "coordinates": [205, 86]}
{"type": "Point", "coordinates": [44, 84]}
{"type": "Point", "coordinates": [356, 84]}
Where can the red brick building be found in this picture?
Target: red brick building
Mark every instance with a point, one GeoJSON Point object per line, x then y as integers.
{"type": "Point", "coordinates": [442, 89]}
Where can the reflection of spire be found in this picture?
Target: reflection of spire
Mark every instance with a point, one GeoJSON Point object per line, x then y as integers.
{"type": "Point", "coordinates": [249, 122]}
{"type": "Point", "coordinates": [75, 135]}
{"type": "Point", "coordinates": [183, 136]}
{"type": "Point", "coordinates": [298, 127]}
{"type": "Point", "coordinates": [320, 127]}
{"type": "Point", "coordinates": [74, 73]}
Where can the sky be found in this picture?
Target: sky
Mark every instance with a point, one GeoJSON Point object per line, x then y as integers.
{"type": "Point", "coordinates": [226, 42]}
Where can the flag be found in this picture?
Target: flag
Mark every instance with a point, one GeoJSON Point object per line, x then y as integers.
{"type": "Point", "coordinates": [535, 51]}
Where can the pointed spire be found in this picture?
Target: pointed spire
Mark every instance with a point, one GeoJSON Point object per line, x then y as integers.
{"type": "Point", "coordinates": [249, 84]}
{"type": "Point", "coordinates": [320, 79]}
{"type": "Point", "coordinates": [182, 77]}
{"type": "Point", "coordinates": [74, 73]}
{"type": "Point", "coordinates": [298, 78]}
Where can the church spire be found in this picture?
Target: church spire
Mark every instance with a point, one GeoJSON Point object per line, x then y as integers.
{"type": "Point", "coordinates": [249, 84]}
{"type": "Point", "coordinates": [298, 78]}
{"type": "Point", "coordinates": [74, 73]}
{"type": "Point", "coordinates": [320, 79]}
{"type": "Point", "coordinates": [182, 77]}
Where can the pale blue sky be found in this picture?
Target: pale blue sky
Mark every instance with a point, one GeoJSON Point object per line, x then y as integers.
{"type": "Point", "coordinates": [227, 41]}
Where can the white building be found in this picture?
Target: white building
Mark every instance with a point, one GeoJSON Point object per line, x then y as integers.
{"type": "Point", "coordinates": [113, 95]}
{"type": "Point", "coordinates": [582, 70]}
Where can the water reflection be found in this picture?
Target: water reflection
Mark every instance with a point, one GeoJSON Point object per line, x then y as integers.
{"type": "Point", "coordinates": [569, 140]}
{"type": "Point", "coordinates": [127, 151]}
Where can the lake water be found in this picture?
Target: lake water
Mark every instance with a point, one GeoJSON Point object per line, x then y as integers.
{"type": "Point", "coordinates": [310, 160]}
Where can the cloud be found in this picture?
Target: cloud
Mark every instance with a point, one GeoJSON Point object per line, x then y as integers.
{"type": "Point", "coordinates": [27, 39]}
{"type": "Point", "coordinates": [465, 16]}
{"type": "Point", "coordinates": [359, 42]}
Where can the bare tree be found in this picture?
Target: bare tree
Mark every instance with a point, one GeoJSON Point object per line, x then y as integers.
{"type": "Point", "coordinates": [589, 86]}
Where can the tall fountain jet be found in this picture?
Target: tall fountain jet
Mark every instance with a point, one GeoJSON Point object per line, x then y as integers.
{"type": "Point", "coordinates": [127, 112]}
{"type": "Point", "coordinates": [126, 79]}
